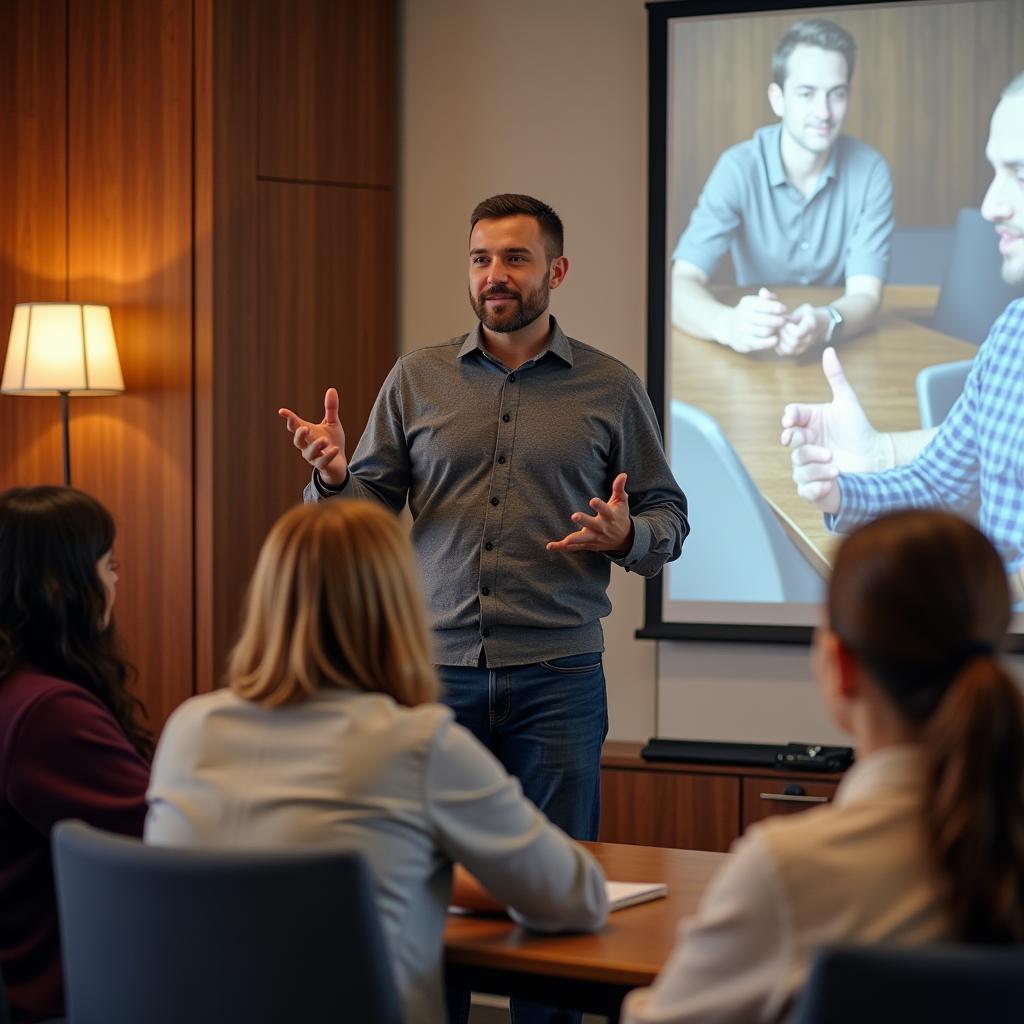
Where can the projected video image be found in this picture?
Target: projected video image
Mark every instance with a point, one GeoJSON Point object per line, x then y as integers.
{"type": "Point", "coordinates": [843, 228]}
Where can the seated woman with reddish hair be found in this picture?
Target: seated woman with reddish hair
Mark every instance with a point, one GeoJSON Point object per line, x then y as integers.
{"type": "Point", "coordinates": [925, 839]}
{"type": "Point", "coordinates": [71, 744]}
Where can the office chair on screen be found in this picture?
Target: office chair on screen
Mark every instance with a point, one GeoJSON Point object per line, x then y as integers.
{"type": "Point", "coordinates": [743, 553]}
{"type": "Point", "coordinates": [973, 293]}
{"type": "Point", "coordinates": [938, 387]}
{"type": "Point", "coordinates": [941, 985]}
{"type": "Point", "coordinates": [164, 935]}
{"type": "Point", "coordinates": [920, 254]}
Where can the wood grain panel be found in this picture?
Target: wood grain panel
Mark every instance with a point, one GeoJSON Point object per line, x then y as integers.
{"type": "Point", "coordinates": [302, 297]}
{"type": "Point", "coordinates": [927, 79]}
{"type": "Point", "coordinates": [691, 812]}
{"type": "Point", "coordinates": [33, 215]}
{"type": "Point", "coordinates": [327, 91]}
{"type": "Point", "coordinates": [322, 315]}
{"type": "Point", "coordinates": [130, 230]}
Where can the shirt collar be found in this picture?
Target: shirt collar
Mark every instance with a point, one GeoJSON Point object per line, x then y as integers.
{"type": "Point", "coordinates": [558, 345]}
{"type": "Point", "coordinates": [775, 168]}
{"type": "Point", "coordinates": [887, 771]}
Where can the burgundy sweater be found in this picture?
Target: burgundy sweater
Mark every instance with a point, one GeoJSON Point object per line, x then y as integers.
{"type": "Point", "coordinates": [62, 755]}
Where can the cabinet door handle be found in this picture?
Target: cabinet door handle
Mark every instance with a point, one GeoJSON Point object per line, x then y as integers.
{"type": "Point", "coordinates": [792, 798]}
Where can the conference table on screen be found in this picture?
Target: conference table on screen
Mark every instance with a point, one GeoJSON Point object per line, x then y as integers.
{"type": "Point", "coordinates": [591, 972]}
{"type": "Point", "coordinates": [746, 393]}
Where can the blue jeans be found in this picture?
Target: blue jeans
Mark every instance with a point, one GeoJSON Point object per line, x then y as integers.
{"type": "Point", "coordinates": [546, 723]}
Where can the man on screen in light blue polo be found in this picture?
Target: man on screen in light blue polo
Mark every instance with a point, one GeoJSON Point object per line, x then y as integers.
{"type": "Point", "coordinates": [799, 204]}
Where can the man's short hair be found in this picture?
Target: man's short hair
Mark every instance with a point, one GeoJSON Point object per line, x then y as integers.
{"type": "Point", "coordinates": [819, 32]}
{"type": "Point", "coordinates": [509, 204]}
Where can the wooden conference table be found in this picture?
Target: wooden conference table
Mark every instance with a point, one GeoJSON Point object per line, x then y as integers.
{"type": "Point", "coordinates": [747, 393]}
{"type": "Point", "coordinates": [588, 972]}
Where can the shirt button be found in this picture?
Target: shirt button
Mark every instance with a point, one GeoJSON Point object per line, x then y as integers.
{"type": "Point", "coordinates": [505, 418]}
{"type": "Point", "coordinates": [486, 633]}
{"type": "Point", "coordinates": [494, 501]}
{"type": "Point", "coordinates": [805, 279]}
{"type": "Point", "coordinates": [803, 245]}
{"type": "Point", "coordinates": [511, 378]}
{"type": "Point", "coordinates": [488, 546]}
{"type": "Point", "coordinates": [501, 460]}
{"type": "Point", "coordinates": [485, 591]}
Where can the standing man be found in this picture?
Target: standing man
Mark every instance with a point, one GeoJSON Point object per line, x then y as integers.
{"type": "Point", "coordinates": [799, 203]}
{"type": "Point", "coordinates": [501, 440]}
{"type": "Point", "coordinates": [854, 474]}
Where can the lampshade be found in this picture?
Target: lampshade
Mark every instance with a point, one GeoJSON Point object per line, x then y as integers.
{"type": "Point", "coordinates": [61, 347]}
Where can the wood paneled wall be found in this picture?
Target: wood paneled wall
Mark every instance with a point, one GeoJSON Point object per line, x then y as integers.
{"type": "Point", "coordinates": [300, 151]}
{"type": "Point", "coordinates": [927, 79]}
{"type": "Point", "coordinates": [220, 172]}
{"type": "Point", "coordinates": [96, 193]}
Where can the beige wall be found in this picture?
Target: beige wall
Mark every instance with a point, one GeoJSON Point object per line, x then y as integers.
{"type": "Point", "coordinates": [549, 98]}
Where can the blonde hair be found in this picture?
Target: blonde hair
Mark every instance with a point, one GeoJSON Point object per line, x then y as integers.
{"type": "Point", "coordinates": [334, 601]}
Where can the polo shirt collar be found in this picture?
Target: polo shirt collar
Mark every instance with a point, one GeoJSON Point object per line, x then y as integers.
{"type": "Point", "coordinates": [773, 159]}
{"type": "Point", "coordinates": [558, 344]}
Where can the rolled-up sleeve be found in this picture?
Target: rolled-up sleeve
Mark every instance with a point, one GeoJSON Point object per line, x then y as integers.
{"type": "Point", "coordinates": [868, 247]}
{"type": "Point", "coordinates": [715, 218]}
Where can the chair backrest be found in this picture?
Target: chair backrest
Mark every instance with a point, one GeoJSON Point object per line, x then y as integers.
{"type": "Point", "coordinates": [166, 935]}
{"type": "Point", "coordinates": [941, 985]}
{"type": "Point", "coordinates": [920, 254]}
{"type": "Point", "coordinates": [741, 551]}
{"type": "Point", "coordinates": [938, 387]}
{"type": "Point", "coordinates": [973, 292]}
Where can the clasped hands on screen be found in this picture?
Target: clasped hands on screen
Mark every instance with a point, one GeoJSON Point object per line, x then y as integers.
{"type": "Point", "coordinates": [763, 321]}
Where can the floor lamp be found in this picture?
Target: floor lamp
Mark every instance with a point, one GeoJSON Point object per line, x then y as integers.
{"type": "Point", "coordinates": [62, 348]}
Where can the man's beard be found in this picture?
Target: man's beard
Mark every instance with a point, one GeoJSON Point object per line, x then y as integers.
{"type": "Point", "coordinates": [526, 308]}
{"type": "Point", "coordinates": [1013, 270]}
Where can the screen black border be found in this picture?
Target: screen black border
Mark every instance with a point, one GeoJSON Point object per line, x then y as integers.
{"type": "Point", "coordinates": [658, 16]}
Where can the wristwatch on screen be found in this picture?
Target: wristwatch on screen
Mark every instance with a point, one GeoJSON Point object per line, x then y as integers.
{"type": "Point", "coordinates": [835, 324]}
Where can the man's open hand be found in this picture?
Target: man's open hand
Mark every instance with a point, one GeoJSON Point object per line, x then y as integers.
{"type": "Point", "coordinates": [608, 529]}
{"type": "Point", "coordinates": [322, 444]}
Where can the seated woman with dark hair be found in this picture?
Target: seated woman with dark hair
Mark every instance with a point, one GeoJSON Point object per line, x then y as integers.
{"type": "Point", "coordinates": [925, 839]}
{"type": "Point", "coordinates": [329, 733]}
{"type": "Point", "coordinates": [71, 745]}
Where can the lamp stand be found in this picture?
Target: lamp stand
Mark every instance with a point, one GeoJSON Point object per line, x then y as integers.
{"type": "Point", "coordinates": [67, 441]}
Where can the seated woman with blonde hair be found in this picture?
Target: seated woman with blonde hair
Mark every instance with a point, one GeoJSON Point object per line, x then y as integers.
{"type": "Point", "coordinates": [925, 839]}
{"type": "Point", "coordinates": [329, 732]}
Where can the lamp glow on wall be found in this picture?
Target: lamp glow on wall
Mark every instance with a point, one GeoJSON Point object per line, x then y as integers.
{"type": "Point", "coordinates": [62, 348]}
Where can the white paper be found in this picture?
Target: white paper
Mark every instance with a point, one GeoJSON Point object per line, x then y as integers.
{"type": "Point", "coordinates": [625, 894]}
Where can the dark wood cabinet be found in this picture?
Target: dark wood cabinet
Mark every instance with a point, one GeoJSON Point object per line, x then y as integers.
{"type": "Point", "coordinates": [696, 806]}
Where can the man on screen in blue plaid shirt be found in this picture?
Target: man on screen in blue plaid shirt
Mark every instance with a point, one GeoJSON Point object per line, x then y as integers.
{"type": "Point", "coordinates": [978, 452]}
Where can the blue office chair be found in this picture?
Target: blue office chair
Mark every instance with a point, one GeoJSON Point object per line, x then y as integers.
{"type": "Point", "coordinates": [741, 553]}
{"type": "Point", "coordinates": [973, 293]}
{"type": "Point", "coordinates": [920, 254]}
{"type": "Point", "coordinates": [938, 387]}
{"type": "Point", "coordinates": [207, 936]}
{"type": "Point", "coordinates": [940, 985]}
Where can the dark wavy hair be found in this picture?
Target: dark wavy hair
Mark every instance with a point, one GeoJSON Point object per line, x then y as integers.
{"type": "Point", "coordinates": [921, 600]}
{"type": "Point", "coordinates": [52, 601]}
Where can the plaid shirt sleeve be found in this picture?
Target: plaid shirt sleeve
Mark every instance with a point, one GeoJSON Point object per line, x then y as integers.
{"type": "Point", "coordinates": [977, 452]}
